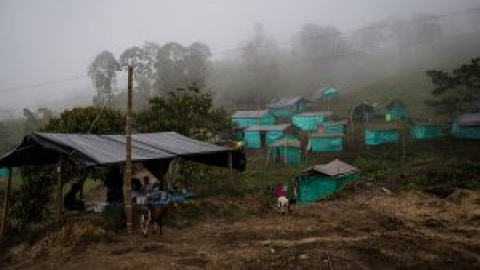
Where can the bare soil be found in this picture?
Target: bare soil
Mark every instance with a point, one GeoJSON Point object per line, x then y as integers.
{"type": "Point", "coordinates": [370, 230]}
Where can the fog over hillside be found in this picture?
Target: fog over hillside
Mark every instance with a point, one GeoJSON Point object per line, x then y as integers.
{"type": "Point", "coordinates": [258, 49]}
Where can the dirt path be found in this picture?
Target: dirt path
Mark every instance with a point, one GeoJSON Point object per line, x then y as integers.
{"type": "Point", "coordinates": [367, 231]}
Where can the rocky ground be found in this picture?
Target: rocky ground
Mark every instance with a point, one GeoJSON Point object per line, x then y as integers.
{"type": "Point", "coordinates": [370, 230]}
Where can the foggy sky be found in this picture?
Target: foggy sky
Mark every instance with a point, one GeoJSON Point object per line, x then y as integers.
{"type": "Point", "coordinates": [49, 40]}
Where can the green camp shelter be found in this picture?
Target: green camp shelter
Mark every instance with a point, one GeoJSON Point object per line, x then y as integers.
{"type": "Point", "coordinates": [260, 136]}
{"type": "Point", "coordinates": [309, 121]}
{"type": "Point", "coordinates": [325, 142]}
{"type": "Point", "coordinates": [319, 181]}
{"type": "Point", "coordinates": [287, 107]}
{"type": "Point", "coordinates": [244, 119]}
{"type": "Point", "coordinates": [381, 134]}
{"type": "Point", "coordinates": [3, 172]}
{"type": "Point", "coordinates": [326, 93]}
{"type": "Point", "coordinates": [286, 151]}
{"type": "Point", "coordinates": [466, 126]}
{"type": "Point", "coordinates": [395, 110]}
{"type": "Point", "coordinates": [334, 127]}
{"type": "Point", "coordinates": [363, 112]}
{"type": "Point", "coordinates": [425, 130]}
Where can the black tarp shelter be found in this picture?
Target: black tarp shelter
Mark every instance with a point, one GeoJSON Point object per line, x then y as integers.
{"type": "Point", "coordinates": [96, 150]}
{"type": "Point", "coordinates": [154, 150]}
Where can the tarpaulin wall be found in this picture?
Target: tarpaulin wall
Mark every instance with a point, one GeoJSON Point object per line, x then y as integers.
{"type": "Point", "coordinates": [377, 137]}
{"type": "Point", "coordinates": [326, 144]}
{"type": "Point", "coordinates": [425, 132]}
{"type": "Point", "coordinates": [315, 187]}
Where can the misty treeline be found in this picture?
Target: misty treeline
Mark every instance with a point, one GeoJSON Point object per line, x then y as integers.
{"type": "Point", "coordinates": [262, 68]}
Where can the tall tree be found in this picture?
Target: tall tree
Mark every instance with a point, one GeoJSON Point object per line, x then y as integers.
{"type": "Point", "coordinates": [187, 111]}
{"type": "Point", "coordinates": [455, 93]}
{"type": "Point", "coordinates": [142, 59]}
{"type": "Point", "coordinates": [179, 67]}
{"type": "Point", "coordinates": [260, 58]}
{"type": "Point", "coordinates": [102, 72]}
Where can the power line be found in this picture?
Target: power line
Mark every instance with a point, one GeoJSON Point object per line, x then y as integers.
{"type": "Point", "coordinates": [368, 28]}
{"type": "Point", "coordinates": [330, 35]}
{"type": "Point", "coordinates": [347, 54]}
{"type": "Point", "coordinates": [340, 34]}
{"type": "Point", "coordinates": [27, 86]}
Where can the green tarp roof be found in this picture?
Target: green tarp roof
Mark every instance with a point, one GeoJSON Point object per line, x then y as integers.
{"type": "Point", "coordinates": [92, 150]}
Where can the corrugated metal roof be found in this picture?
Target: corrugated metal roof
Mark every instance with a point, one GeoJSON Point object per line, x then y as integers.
{"type": "Point", "coordinates": [268, 127]}
{"type": "Point", "coordinates": [92, 150]}
{"type": "Point", "coordinates": [287, 143]}
{"type": "Point", "coordinates": [468, 119]}
{"type": "Point", "coordinates": [285, 102]}
{"type": "Point", "coordinates": [334, 168]}
{"type": "Point", "coordinates": [318, 113]}
{"type": "Point", "coordinates": [249, 114]}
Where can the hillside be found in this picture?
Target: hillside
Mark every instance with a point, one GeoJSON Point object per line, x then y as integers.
{"type": "Point", "coordinates": [412, 88]}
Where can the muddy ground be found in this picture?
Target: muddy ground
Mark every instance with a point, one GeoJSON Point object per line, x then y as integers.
{"type": "Point", "coordinates": [369, 230]}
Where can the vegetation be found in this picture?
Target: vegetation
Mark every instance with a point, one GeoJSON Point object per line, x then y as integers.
{"type": "Point", "coordinates": [455, 93]}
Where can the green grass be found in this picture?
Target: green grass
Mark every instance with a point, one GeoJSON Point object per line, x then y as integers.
{"type": "Point", "coordinates": [412, 88]}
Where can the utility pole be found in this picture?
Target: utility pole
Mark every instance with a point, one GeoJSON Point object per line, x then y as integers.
{"type": "Point", "coordinates": [127, 188]}
{"type": "Point", "coordinates": [5, 203]}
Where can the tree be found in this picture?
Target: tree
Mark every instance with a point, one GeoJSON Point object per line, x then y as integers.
{"type": "Point", "coordinates": [259, 57]}
{"type": "Point", "coordinates": [37, 181]}
{"type": "Point", "coordinates": [102, 72]}
{"type": "Point", "coordinates": [179, 67]}
{"type": "Point", "coordinates": [187, 111]}
{"type": "Point", "coordinates": [142, 59]}
{"type": "Point", "coordinates": [455, 93]}
{"type": "Point", "coordinates": [91, 119]}
{"type": "Point", "coordinates": [320, 41]}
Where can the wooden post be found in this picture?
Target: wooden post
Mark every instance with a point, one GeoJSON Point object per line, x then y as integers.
{"type": "Point", "coordinates": [127, 188]}
{"type": "Point", "coordinates": [230, 168]}
{"type": "Point", "coordinates": [5, 204]}
{"type": "Point", "coordinates": [59, 192]}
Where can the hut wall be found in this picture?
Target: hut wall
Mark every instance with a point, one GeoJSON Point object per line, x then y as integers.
{"type": "Point", "coordinates": [465, 132]}
{"type": "Point", "coordinates": [253, 139]}
{"type": "Point", "coordinates": [326, 144]}
{"type": "Point", "coordinates": [425, 131]}
{"type": "Point", "coordinates": [315, 187]}
{"type": "Point", "coordinates": [293, 155]}
{"type": "Point", "coordinates": [377, 137]}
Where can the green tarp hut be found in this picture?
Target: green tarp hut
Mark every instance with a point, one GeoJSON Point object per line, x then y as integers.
{"type": "Point", "coordinates": [3, 172]}
{"type": "Point", "coordinates": [395, 110]}
{"type": "Point", "coordinates": [381, 134]}
{"type": "Point", "coordinates": [425, 130]}
{"type": "Point", "coordinates": [244, 119]}
{"type": "Point", "coordinates": [309, 121]}
{"type": "Point", "coordinates": [257, 137]}
{"type": "Point", "coordinates": [334, 127]}
{"type": "Point", "coordinates": [287, 107]}
{"type": "Point", "coordinates": [319, 181]}
{"type": "Point", "coordinates": [287, 151]}
{"type": "Point", "coordinates": [326, 93]}
{"type": "Point", "coordinates": [363, 112]}
{"type": "Point", "coordinates": [325, 142]}
{"type": "Point", "coordinates": [466, 126]}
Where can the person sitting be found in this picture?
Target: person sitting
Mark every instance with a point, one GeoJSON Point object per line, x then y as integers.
{"type": "Point", "coordinates": [147, 186]}
{"type": "Point", "coordinates": [114, 184]}
{"type": "Point", "coordinates": [71, 201]}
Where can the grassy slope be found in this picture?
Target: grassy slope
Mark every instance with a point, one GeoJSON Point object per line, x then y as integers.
{"type": "Point", "coordinates": [412, 88]}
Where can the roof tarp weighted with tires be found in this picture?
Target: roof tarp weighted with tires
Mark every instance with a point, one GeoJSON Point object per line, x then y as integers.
{"type": "Point", "coordinates": [96, 150]}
